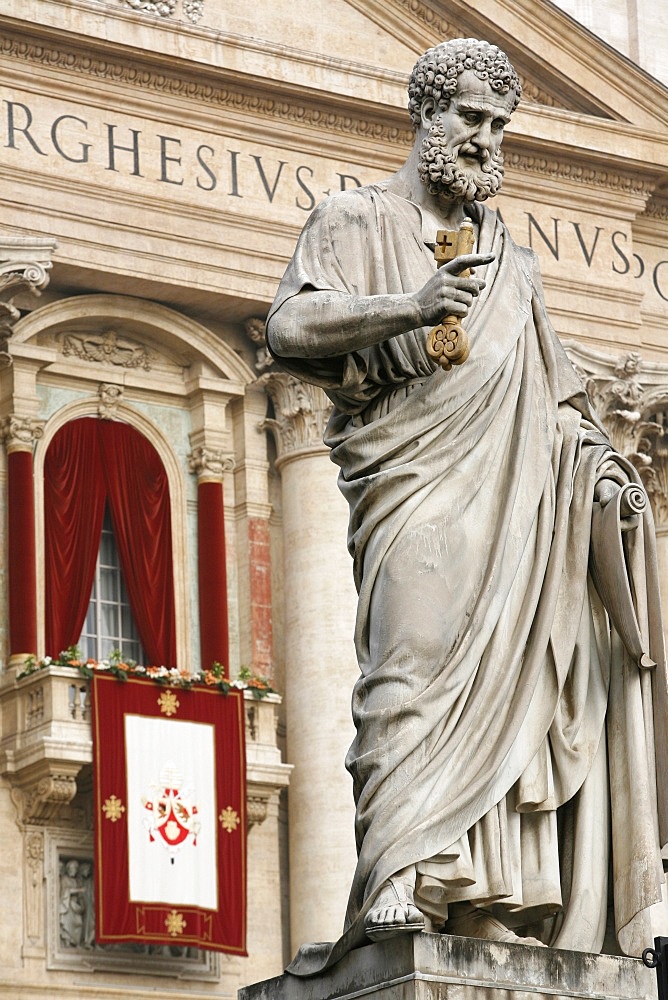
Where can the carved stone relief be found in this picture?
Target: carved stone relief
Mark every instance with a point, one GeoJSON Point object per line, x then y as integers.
{"type": "Point", "coordinates": [255, 329]}
{"type": "Point", "coordinates": [33, 880]}
{"type": "Point", "coordinates": [631, 398]}
{"type": "Point", "coordinates": [110, 396]}
{"type": "Point", "coordinates": [108, 348]}
{"type": "Point", "coordinates": [192, 9]}
{"type": "Point", "coordinates": [71, 923]}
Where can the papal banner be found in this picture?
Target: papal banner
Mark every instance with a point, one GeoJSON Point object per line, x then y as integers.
{"type": "Point", "coordinates": [170, 814]}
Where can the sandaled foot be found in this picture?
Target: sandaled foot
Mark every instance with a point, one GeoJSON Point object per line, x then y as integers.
{"type": "Point", "coordinates": [476, 923]}
{"type": "Point", "coordinates": [394, 912]}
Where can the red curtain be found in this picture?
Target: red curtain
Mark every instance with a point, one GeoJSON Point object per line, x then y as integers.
{"type": "Point", "coordinates": [88, 462]}
{"type": "Point", "coordinates": [138, 494]}
{"type": "Point", "coordinates": [213, 623]}
{"type": "Point", "coordinates": [74, 495]}
{"type": "Point", "coordinates": [21, 554]}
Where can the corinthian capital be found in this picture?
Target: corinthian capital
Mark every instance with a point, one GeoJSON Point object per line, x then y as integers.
{"type": "Point", "coordinates": [209, 463]}
{"type": "Point", "coordinates": [20, 433]}
{"type": "Point", "coordinates": [630, 396]}
{"type": "Point", "coordinates": [24, 265]}
{"type": "Point", "coordinates": [301, 413]}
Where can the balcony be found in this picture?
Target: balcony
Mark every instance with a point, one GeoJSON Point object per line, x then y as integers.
{"type": "Point", "coordinates": [46, 744]}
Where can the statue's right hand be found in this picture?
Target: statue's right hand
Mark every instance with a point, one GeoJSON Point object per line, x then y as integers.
{"type": "Point", "coordinates": [447, 293]}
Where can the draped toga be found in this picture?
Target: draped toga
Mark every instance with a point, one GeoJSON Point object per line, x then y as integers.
{"type": "Point", "coordinates": [505, 739]}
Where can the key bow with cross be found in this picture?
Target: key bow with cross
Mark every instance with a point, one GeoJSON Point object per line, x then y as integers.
{"type": "Point", "coordinates": [448, 343]}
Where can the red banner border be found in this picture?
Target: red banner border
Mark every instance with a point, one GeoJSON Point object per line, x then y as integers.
{"type": "Point", "coordinates": [196, 704]}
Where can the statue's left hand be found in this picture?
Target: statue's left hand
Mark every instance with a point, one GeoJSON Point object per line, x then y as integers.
{"type": "Point", "coordinates": [606, 490]}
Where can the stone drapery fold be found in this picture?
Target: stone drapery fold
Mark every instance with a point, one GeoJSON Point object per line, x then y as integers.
{"type": "Point", "coordinates": [488, 668]}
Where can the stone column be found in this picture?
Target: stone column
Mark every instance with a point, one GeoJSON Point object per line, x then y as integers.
{"type": "Point", "coordinates": [321, 667]}
{"type": "Point", "coordinates": [210, 465]}
{"type": "Point", "coordinates": [24, 265]}
{"type": "Point", "coordinates": [20, 434]}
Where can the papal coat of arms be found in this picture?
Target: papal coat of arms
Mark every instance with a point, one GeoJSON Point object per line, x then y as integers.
{"type": "Point", "coordinates": [170, 814]}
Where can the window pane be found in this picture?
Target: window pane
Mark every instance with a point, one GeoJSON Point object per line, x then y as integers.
{"type": "Point", "coordinates": [107, 549]}
{"type": "Point", "coordinates": [128, 626]}
{"type": "Point", "coordinates": [109, 589]}
{"type": "Point", "coordinates": [109, 624]}
{"type": "Point", "coordinates": [89, 625]}
{"type": "Point", "coordinates": [88, 647]}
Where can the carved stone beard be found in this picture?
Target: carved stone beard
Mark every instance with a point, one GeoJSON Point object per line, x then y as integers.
{"type": "Point", "coordinates": [438, 170]}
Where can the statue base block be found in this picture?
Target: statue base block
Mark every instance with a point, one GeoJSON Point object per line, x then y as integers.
{"type": "Point", "coordinates": [443, 967]}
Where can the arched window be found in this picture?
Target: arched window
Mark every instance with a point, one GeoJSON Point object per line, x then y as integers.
{"type": "Point", "coordinates": [109, 623]}
{"type": "Point", "coordinates": [90, 464]}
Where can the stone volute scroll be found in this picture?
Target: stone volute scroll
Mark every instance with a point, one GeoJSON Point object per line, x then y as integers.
{"type": "Point", "coordinates": [478, 732]}
{"type": "Point", "coordinates": [25, 262]}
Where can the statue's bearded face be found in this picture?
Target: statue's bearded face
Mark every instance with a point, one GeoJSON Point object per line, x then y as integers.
{"type": "Point", "coordinates": [460, 155]}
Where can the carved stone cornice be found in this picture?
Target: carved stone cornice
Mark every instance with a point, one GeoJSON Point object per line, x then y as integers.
{"type": "Point", "coordinates": [657, 209]}
{"type": "Point", "coordinates": [210, 464]}
{"type": "Point", "coordinates": [24, 265]}
{"type": "Point", "coordinates": [110, 396]}
{"type": "Point", "coordinates": [631, 398]}
{"type": "Point", "coordinates": [301, 414]}
{"type": "Point", "coordinates": [253, 102]}
{"type": "Point", "coordinates": [552, 168]}
{"type": "Point", "coordinates": [20, 433]}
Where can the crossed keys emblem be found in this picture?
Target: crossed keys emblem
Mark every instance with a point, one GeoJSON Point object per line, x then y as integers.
{"type": "Point", "coordinates": [170, 814]}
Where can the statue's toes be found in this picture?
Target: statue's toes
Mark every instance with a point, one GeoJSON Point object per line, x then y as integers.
{"type": "Point", "coordinates": [385, 921]}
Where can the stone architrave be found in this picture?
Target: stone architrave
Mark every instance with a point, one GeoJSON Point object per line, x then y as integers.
{"type": "Point", "coordinates": [319, 671]}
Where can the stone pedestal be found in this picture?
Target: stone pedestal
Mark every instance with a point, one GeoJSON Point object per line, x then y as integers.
{"type": "Point", "coordinates": [441, 967]}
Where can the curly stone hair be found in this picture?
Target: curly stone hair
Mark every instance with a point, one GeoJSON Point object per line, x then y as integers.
{"type": "Point", "coordinates": [436, 73]}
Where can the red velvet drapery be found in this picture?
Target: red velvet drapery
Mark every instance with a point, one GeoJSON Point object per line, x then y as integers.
{"type": "Point", "coordinates": [213, 622]}
{"type": "Point", "coordinates": [21, 554]}
{"type": "Point", "coordinates": [90, 461]}
{"type": "Point", "coordinates": [74, 495]}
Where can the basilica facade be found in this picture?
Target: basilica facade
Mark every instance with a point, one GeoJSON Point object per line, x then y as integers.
{"type": "Point", "coordinates": [158, 161]}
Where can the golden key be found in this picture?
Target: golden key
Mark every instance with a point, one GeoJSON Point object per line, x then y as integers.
{"type": "Point", "coordinates": [448, 343]}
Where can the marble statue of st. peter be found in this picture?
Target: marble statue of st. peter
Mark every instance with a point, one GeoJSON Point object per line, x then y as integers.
{"type": "Point", "coordinates": [504, 767]}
